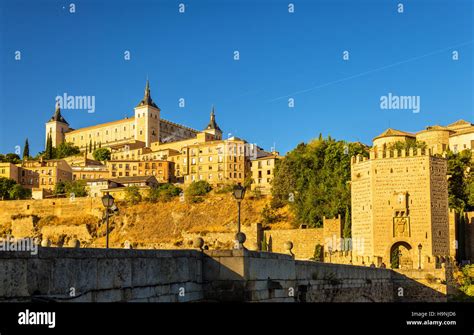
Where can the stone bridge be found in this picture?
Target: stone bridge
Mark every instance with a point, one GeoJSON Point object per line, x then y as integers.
{"type": "Point", "coordinates": [123, 275]}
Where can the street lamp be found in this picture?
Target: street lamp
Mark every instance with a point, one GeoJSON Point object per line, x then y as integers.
{"type": "Point", "coordinates": [239, 193]}
{"type": "Point", "coordinates": [330, 254]}
{"type": "Point", "coordinates": [108, 202]}
{"type": "Point", "coordinates": [419, 256]}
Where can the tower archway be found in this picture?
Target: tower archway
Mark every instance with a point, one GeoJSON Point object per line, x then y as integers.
{"type": "Point", "coordinates": [401, 255]}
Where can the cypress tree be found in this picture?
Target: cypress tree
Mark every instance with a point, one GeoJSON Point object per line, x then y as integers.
{"type": "Point", "coordinates": [347, 223]}
{"type": "Point", "coordinates": [90, 146]}
{"type": "Point", "coordinates": [26, 150]}
{"type": "Point", "coordinates": [95, 145]}
{"type": "Point", "coordinates": [49, 148]}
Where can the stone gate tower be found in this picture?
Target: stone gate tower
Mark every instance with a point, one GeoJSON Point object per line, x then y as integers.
{"type": "Point", "coordinates": [400, 209]}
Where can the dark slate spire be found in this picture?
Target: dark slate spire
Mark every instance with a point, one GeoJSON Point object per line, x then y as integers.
{"type": "Point", "coordinates": [147, 100]}
{"type": "Point", "coordinates": [57, 115]}
{"type": "Point", "coordinates": [212, 123]}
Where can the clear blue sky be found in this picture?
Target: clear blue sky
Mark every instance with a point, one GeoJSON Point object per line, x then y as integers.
{"type": "Point", "coordinates": [282, 55]}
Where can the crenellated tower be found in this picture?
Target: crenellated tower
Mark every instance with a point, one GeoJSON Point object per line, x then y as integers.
{"type": "Point", "coordinates": [400, 208]}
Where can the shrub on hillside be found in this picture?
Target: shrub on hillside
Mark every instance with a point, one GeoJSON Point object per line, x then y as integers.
{"type": "Point", "coordinates": [227, 188]}
{"type": "Point", "coordinates": [269, 215]}
{"type": "Point", "coordinates": [76, 187]}
{"type": "Point", "coordinates": [163, 192]}
{"type": "Point", "coordinates": [198, 188]}
{"type": "Point", "coordinates": [132, 195]}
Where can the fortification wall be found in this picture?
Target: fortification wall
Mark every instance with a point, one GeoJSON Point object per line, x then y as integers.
{"type": "Point", "coordinates": [304, 241]}
{"type": "Point", "coordinates": [64, 207]}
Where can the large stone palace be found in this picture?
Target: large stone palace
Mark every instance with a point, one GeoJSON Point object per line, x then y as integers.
{"type": "Point", "coordinates": [145, 150]}
{"type": "Point", "coordinates": [144, 128]}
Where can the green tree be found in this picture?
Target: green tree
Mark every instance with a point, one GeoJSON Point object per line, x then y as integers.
{"type": "Point", "coordinates": [395, 258]}
{"type": "Point", "coordinates": [198, 188]}
{"type": "Point", "coordinates": [132, 195]}
{"type": "Point", "coordinates": [90, 146]}
{"type": "Point", "coordinates": [59, 188]}
{"type": "Point", "coordinates": [76, 187]}
{"type": "Point", "coordinates": [26, 150]}
{"type": "Point", "coordinates": [163, 192]}
{"type": "Point", "coordinates": [6, 185]}
{"type": "Point", "coordinates": [318, 253]}
{"type": "Point", "coordinates": [313, 179]}
{"type": "Point", "coordinates": [407, 145]}
{"type": "Point", "coordinates": [10, 158]}
{"type": "Point", "coordinates": [18, 192]}
{"type": "Point", "coordinates": [66, 149]}
{"type": "Point", "coordinates": [264, 244]}
{"type": "Point", "coordinates": [101, 154]}
{"type": "Point", "coordinates": [48, 153]}
{"type": "Point", "coordinates": [268, 215]}
{"type": "Point", "coordinates": [347, 224]}
{"type": "Point", "coordinates": [460, 180]}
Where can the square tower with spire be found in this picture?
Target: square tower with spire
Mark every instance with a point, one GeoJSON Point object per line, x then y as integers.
{"type": "Point", "coordinates": [147, 119]}
{"type": "Point", "coordinates": [57, 127]}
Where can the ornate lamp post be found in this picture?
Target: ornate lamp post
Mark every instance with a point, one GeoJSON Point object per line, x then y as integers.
{"type": "Point", "coordinates": [419, 256]}
{"type": "Point", "coordinates": [108, 202]}
{"type": "Point", "coordinates": [239, 193]}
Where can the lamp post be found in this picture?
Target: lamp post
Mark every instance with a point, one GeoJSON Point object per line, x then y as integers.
{"type": "Point", "coordinates": [239, 193]}
{"type": "Point", "coordinates": [108, 202]}
{"type": "Point", "coordinates": [419, 256]}
{"type": "Point", "coordinates": [330, 254]}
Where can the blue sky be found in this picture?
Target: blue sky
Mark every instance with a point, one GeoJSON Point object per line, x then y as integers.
{"type": "Point", "coordinates": [282, 56]}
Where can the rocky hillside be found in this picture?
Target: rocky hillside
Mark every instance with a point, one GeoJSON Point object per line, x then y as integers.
{"type": "Point", "coordinates": [149, 225]}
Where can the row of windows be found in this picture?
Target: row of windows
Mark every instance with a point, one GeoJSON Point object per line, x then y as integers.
{"type": "Point", "coordinates": [269, 162]}
{"type": "Point", "coordinates": [259, 180]}
{"type": "Point", "coordinates": [220, 159]}
{"type": "Point", "coordinates": [127, 174]}
{"type": "Point", "coordinates": [153, 132]}
{"type": "Point", "coordinates": [30, 172]}
{"type": "Point", "coordinates": [146, 165]}
{"type": "Point", "coordinates": [35, 180]}
{"type": "Point", "coordinates": [269, 172]}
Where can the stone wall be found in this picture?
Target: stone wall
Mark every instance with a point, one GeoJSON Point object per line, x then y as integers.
{"type": "Point", "coordinates": [237, 275]}
{"type": "Point", "coordinates": [98, 275]}
{"type": "Point", "coordinates": [114, 275]}
{"type": "Point", "coordinates": [63, 207]}
{"type": "Point", "coordinates": [304, 241]}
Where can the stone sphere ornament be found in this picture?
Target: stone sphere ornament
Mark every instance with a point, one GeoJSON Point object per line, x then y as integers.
{"type": "Point", "coordinates": [198, 242]}
{"type": "Point", "coordinates": [45, 243]}
{"type": "Point", "coordinates": [288, 247]}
